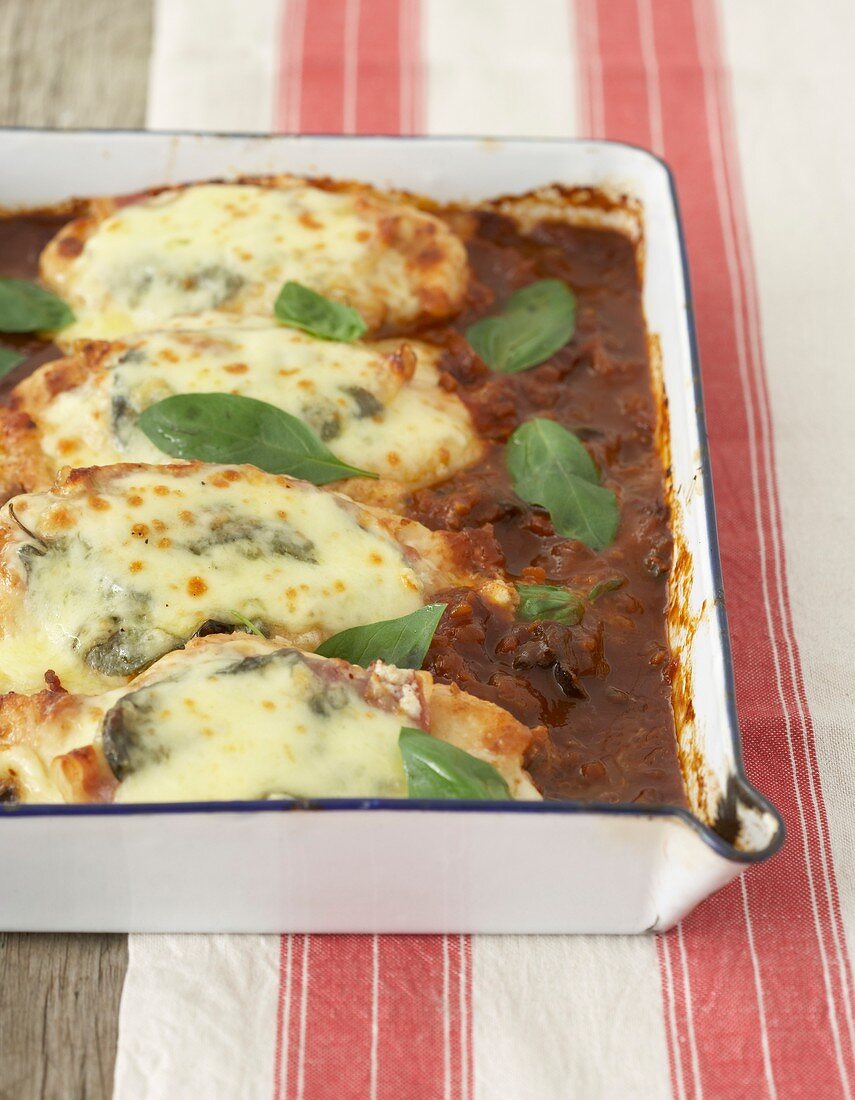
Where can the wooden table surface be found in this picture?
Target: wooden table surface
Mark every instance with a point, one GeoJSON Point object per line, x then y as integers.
{"type": "Point", "coordinates": [66, 63]}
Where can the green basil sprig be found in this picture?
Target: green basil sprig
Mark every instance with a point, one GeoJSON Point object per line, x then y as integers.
{"type": "Point", "coordinates": [535, 323]}
{"type": "Point", "coordinates": [554, 604]}
{"type": "Point", "coordinates": [602, 587]}
{"type": "Point", "coordinates": [549, 602]}
{"type": "Point", "coordinates": [225, 427]}
{"type": "Point", "coordinates": [436, 769]}
{"type": "Point", "coordinates": [302, 308]}
{"type": "Point", "coordinates": [402, 642]}
{"type": "Point", "coordinates": [549, 466]}
{"type": "Point", "coordinates": [27, 307]}
{"type": "Point", "coordinates": [8, 361]}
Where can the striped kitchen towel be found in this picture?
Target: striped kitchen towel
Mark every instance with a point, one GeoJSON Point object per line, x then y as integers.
{"type": "Point", "coordinates": [752, 995]}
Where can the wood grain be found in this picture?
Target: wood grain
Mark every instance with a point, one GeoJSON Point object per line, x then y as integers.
{"type": "Point", "coordinates": [60, 1008]}
{"type": "Point", "coordinates": [66, 63]}
{"type": "Point", "coordinates": [74, 63]}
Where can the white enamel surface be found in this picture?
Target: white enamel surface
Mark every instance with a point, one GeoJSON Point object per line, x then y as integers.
{"type": "Point", "coordinates": [382, 870]}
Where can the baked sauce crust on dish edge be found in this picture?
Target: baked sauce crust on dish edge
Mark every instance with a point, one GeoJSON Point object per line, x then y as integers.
{"type": "Point", "coordinates": [600, 687]}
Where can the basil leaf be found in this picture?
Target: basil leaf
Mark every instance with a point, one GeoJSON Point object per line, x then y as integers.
{"type": "Point", "coordinates": [436, 769]}
{"type": "Point", "coordinates": [402, 642]}
{"type": "Point", "coordinates": [546, 601]}
{"type": "Point", "coordinates": [225, 427]}
{"type": "Point", "coordinates": [602, 587]}
{"type": "Point", "coordinates": [27, 307]}
{"type": "Point", "coordinates": [9, 359]}
{"type": "Point", "coordinates": [302, 308]}
{"type": "Point", "coordinates": [536, 322]}
{"type": "Point", "coordinates": [248, 625]}
{"type": "Point", "coordinates": [549, 466]}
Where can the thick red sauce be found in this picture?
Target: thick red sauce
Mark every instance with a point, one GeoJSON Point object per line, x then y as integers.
{"type": "Point", "coordinates": [601, 689]}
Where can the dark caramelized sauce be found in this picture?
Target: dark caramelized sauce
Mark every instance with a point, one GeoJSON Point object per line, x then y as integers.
{"type": "Point", "coordinates": [600, 688]}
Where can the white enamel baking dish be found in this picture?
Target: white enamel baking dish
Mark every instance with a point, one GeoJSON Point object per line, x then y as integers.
{"type": "Point", "coordinates": [349, 866]}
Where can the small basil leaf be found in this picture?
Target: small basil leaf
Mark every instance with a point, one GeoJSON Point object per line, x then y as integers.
{"type": "Point", "coordinates": [402, 642]}
{"type": "Point", "coordinates": [536, 322]}
{"type": "Point", "coordinates": [247, 624]}
{"type": "Point", "coordinates": [546, 601]}
{"type": "Point", "coordinates": [27, 307]}
{"type": "Point", "coordinates": [602, 587]}
{"type": "Point", "coordinates": [9, 360]}
{"type": "Point", "coordinates": [225, 427]}
{"type": "Point", "coordinates": [436, 769]}
{"type": "Point", "coordinates": [549, 466]}
{"type": "Point", "coordinates": [302, 308]}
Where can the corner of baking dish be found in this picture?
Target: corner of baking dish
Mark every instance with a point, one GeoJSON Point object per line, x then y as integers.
{"type": "Point", "coordinates": [726, 812]}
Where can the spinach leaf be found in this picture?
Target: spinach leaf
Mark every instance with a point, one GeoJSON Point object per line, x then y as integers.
{"type": "Point", "coordinates": [27, 307]}
{"type": "Point", "coordinates": [549, 466]}
{"type": "Point", "coordinates": [9, 359]}
{"type": "Point", "coordinates": [302, 308]}
{"type": "Point", "coordinates": [225, 427]}
{"type": "Point", "coordinates": [402, 642]}
{"type": "Point", "coordinates": [547, 601]}
{"type": "Point", "coordinates": [436, 769]}
{"type": "Point", "coordinates": [602, 587]}
{"type": "Point", "coordinates": [536, 322]}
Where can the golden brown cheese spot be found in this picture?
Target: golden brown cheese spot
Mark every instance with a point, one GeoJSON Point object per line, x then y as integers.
{"type": "Point", "coordinates": [136, 567]}
{"type": "Point", "coordinates": [100, 504]}
{"type": "Point", "coordinates": [162, 490]}
{"type": "Point", "coordinates": [62, 519]}
{"type": "Point", "coordinates": [237, 368]}
{"type": "Point", "coordinates": [186, 516]}
{"type": "Point", "coordinates": [134, 499]}
{"type": "Point", "coordinates": [164, 544]}
{"type": "Point", "coordinates": [140, 531]}
{"type": "Point", "coordinates": [196, 586]}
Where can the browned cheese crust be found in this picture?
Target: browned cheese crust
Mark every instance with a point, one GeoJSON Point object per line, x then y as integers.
{"type": "Point", "coordinates": [49, 722]}
{"type": "Point", "coordinates": [433, 257]}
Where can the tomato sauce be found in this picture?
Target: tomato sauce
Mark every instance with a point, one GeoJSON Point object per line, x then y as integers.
{"type": "Point", "coordinates": [601, 688]}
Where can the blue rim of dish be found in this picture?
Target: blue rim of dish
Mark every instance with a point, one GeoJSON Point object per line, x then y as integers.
{"type": "Point", "coordinates": [746, 794]}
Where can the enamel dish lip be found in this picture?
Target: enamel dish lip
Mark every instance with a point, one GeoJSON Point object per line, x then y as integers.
{"type": "Point", "coordinates": [149, 158]}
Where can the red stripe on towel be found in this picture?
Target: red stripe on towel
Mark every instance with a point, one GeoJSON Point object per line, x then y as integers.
{"type": "Point", "coordinates": [757, 982]}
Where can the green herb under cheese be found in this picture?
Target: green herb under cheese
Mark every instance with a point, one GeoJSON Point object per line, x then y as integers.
{"type": "Point", "coordinates": [402, 642]}
{"type": "Point", "coordinates": [224, 427]}
{"type": "Point", "coordinates": [550, 466]}
{"type": "Point", "coordinates": [27, 307]}
{"type": "Point", "coordinates": [436, 769]}
{"type": "Point", "coordinates": [302, 308]}
{"type": "Point", "coordinates": [9, 359]}
{"type": "Point", "coordinates": [247, 624]}
{"type": "Point", "coordinates": [536, 322]}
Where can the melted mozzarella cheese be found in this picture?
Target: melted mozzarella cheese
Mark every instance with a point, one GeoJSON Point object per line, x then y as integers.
{"type": "Point", "coordinates": [232, 246]}
{"type": "Point", "coordinates": [113, 580]}
{"type": "Point", "coordinates": [278, 724]}
{"type": "Point", "coordinates": [355, 397]}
